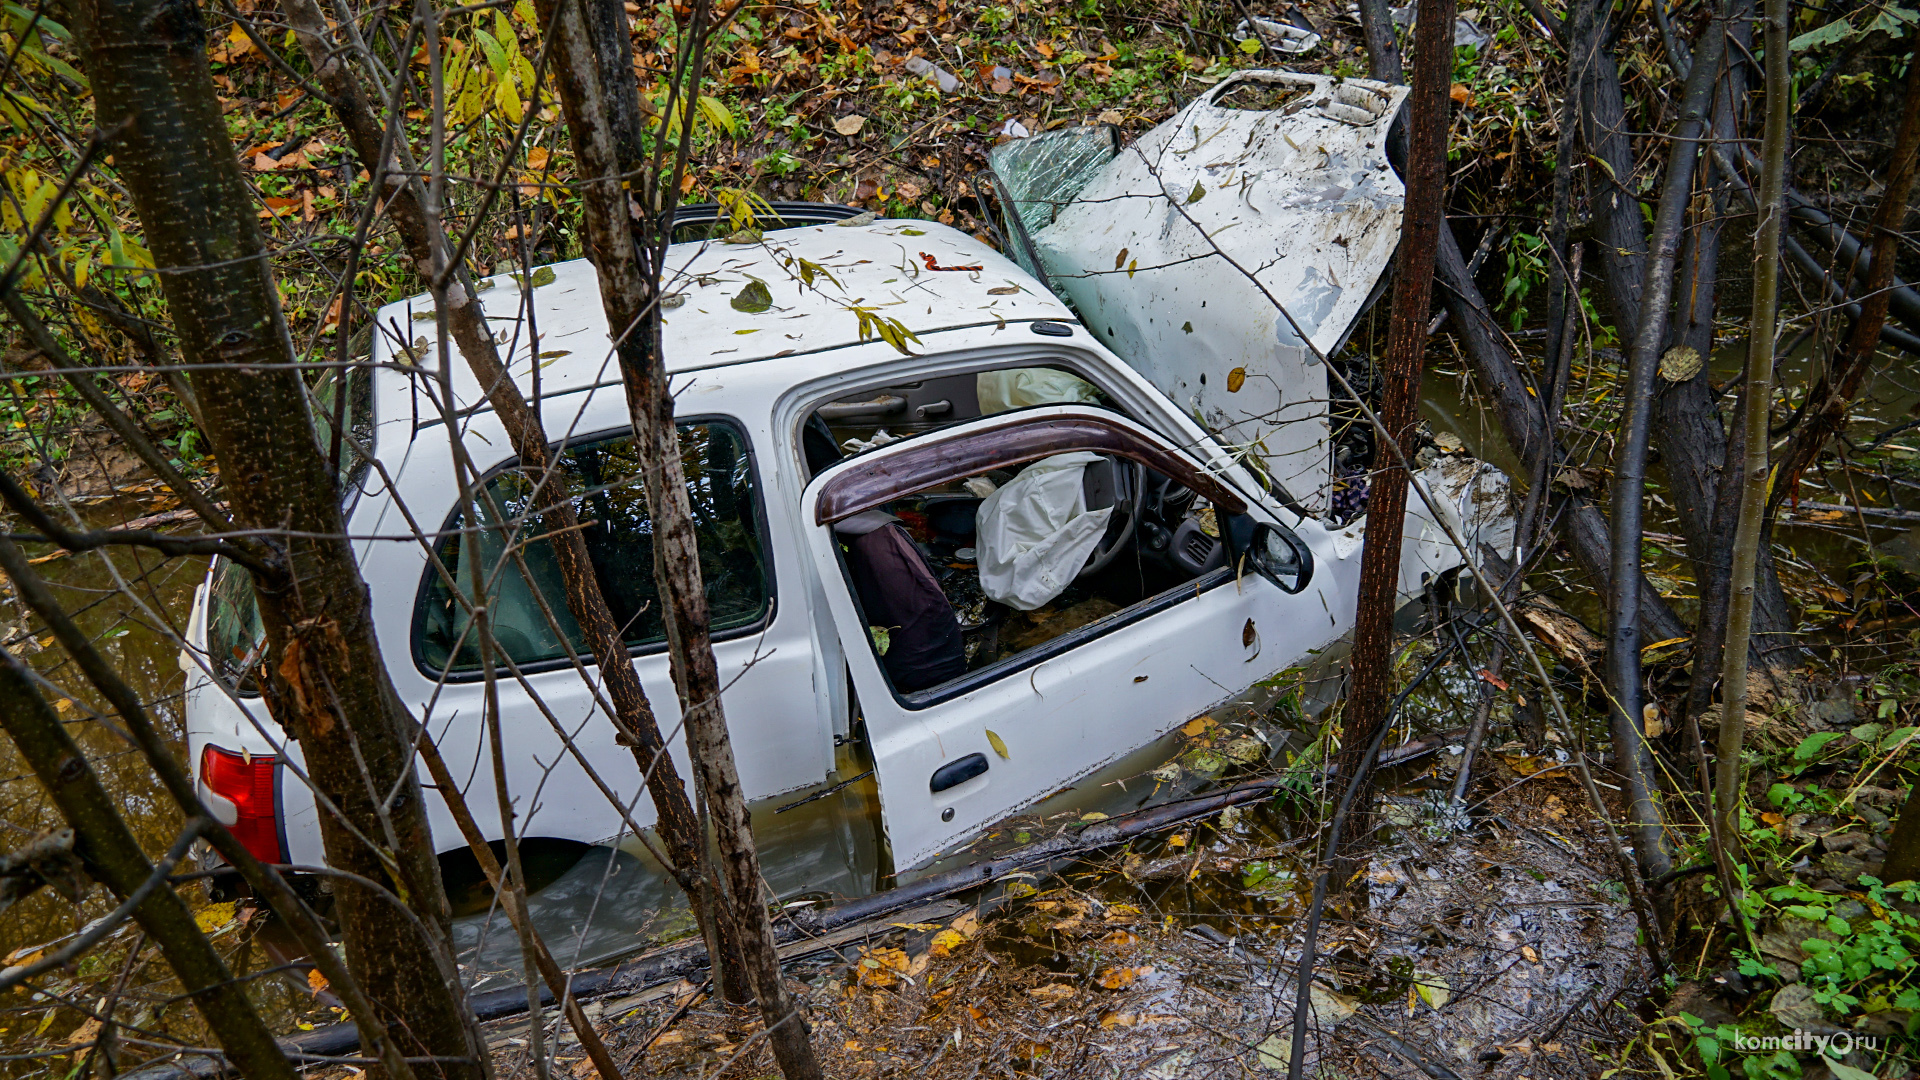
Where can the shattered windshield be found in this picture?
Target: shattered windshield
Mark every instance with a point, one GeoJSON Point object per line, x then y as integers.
{"type": "Point", "coordinates": [1040, 175]}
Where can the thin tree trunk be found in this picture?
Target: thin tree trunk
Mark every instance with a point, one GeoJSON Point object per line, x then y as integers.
{"type": "Point", "coordinates": [1840, 386]}
{"type": "Point", "coordinates": [327, 684]}
{"type": "Point", "coordinates": [639, 728]}
{"type": "Point", "coordinates": [1423, 222]}
{"type": "Point", "coordinates": [112, 856]}
{"type": "Point", "coordinates": [1754, 469]}
{"type": "Point", "coordinates": [629, 292]}
{"type": "Point", "coordinates": [1632, 756]}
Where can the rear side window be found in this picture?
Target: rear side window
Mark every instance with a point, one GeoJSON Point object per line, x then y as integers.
{"type": "Point", "coordinates": [603, 478]}
{"type": "Point", "coordinates": [236, 639]}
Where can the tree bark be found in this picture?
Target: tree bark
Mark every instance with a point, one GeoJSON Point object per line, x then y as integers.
{"type": "Point", "coordinates": [639, 727]}
{"type": "Point", "coordinates": [1423, 222]}
{"type": "Point", "coordinates": [1633, 758]}
{"type": "Point", "coordinates": [327, 684]}
{"type": "Point", "coordinates": [113, 857]}
{"type": "Point", "coordinates": [629, 292]}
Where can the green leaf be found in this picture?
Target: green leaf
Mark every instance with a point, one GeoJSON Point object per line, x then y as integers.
{"type": "Point", "coordinates": [1843, 1071]}
{"type": "Point", "coordinates": [1813, 744]}
{"type": "Point", "coordinates": [1836, 31]}
{"type": "Point", "coordinates": [882, 640]}
{"type": "Point", "coordinates": [999, 745]}
{"type": "Point", "coordinates": [753, 299]}
{"type": "Point", "coordinates": [496, 56]}
{"type": "Point", "coordinates": [1199, 192]}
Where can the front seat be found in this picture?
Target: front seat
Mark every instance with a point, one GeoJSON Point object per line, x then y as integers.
{"type": "Point", "coordinates": [898, 593]}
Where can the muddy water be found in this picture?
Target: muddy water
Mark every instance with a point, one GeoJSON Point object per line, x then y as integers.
{"type": "Point", "coordinates": [135, 628]}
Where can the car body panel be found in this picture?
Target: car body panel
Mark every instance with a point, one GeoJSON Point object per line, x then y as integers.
{"type": "Point", "coordinates": [1177, 252]}
{"type": "Point", "coordinates": [1088, 697]}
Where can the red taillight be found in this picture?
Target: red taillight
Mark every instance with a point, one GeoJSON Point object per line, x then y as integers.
{"type": "Point", "coordinates": [247, 784]}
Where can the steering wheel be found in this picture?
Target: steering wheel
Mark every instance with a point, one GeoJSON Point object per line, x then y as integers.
{"type": "Point", "coordinates": [1124, 496]}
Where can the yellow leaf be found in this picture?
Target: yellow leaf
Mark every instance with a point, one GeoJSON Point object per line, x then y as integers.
{"type": "Point", "coordinates": [946, 941]}
{"type": "Point", "coordinates": [1196, 726]}
{"type": "Point", "coordinates": [213, 917]}
{"type": "Point", "coordinates": [1236, 379]}
{"type": "Point", "coordinates": [999, 745]}
{"type": "Point", "coordinates": [316, 982]}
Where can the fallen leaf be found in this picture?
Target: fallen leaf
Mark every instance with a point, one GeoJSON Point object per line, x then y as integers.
{"type": "Point", "coordinates": [998, 744]}
{"type": "Point", "coordinates": [1052, 993]}
{"type": "Point", "coordinates": [1527, 951]}
{"type": "Point", "coordinates": [1236, 379]}
{"type": "Point", "coordinates": [213, 917]}
{"type": "Point", "coordinates": [753, 299]}
{"type": "Point", "coordinates": [1119, 978]}
{"type": "Point", "coordinates": [1120, 937]}
{"type": "Point", "coordinates": [850, 124]}
{"type": "Point", "coordinates": [1197, 725]}
{"type": "Point", "coordinates": [967, 922]}
{"type": "Point", "coordinates": [1682, 362]}
{"type": "Point", "coordinates": [1433, 989]}
{"type": "Point", "coordinates": [945, 942]}
{"type": "Point", "coordinates": [1120, 260]}
{"type": "Point", "coordinates": [1461, 95]}
{"type": "Point", "coordinates": [316, 982]}
{"type": "Point", "coordinates": [1004, 290]}
{"type": "Point", "coordinates": [1116, 1019]}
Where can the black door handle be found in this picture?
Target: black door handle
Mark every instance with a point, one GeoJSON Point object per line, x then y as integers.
{"type": "Point", "coordinates": [955, 773]}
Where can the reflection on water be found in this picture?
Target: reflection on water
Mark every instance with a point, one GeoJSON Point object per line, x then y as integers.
{"type": "Point", "coordinates": [617, 900]}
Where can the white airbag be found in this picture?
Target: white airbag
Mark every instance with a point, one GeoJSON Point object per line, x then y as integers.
{"type": "Point", "coordinates": [1036, 533]}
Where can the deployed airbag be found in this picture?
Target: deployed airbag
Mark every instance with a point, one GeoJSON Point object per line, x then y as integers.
{"type": "Point", "coordinates": [1017, 388]}
{"type": "Point", "coordinates": [1036, 533]}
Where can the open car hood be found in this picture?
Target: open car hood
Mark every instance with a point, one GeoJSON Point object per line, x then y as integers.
{"type": "Point", "coordinates": [1271, 189]}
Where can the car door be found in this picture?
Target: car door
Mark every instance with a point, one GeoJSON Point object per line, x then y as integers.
{"type": "Point", "coordinates": [955, 757]}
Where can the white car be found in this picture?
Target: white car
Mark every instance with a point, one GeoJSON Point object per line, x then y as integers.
{"type": "Point", "coordinates": [1000, 561]}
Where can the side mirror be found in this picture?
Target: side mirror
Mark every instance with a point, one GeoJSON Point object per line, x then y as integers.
{"type": "Point", "coordinates": [1272, 551]}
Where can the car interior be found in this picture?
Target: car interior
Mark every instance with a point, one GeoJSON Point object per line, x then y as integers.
{"type": "Point", "coordinates": [923, 566]}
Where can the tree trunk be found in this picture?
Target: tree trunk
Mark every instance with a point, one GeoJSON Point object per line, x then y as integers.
{"type": "Point", "coordinates": [678, 826]}
{"type": "Point", "coordinates": [327, 684]}
{"type": "Point", "coordinates": [1633, 758]}
{"type": "Point", "coordinates": [1754, 471]}
{"type": "Point", "coordinates": [1692, 461]}
{"type": "Point", "coordinates": [629, 292]}
{"type": "Point", "coordinates": [1423, 222]}
{"type": "Point", "coordinates": [113, 857]}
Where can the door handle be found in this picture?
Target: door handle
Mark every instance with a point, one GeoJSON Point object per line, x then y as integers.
{"type": "Point", "coordinates": [955, 773]}
{"type": "Point", "coordinates": [884, 405]}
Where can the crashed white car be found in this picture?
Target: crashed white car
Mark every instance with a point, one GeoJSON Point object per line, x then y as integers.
{"type": "Point", "coordinates": [1000, 561]}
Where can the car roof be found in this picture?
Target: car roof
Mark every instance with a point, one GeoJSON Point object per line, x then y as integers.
{"type": "Point", "coordinates": [880, 265]}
